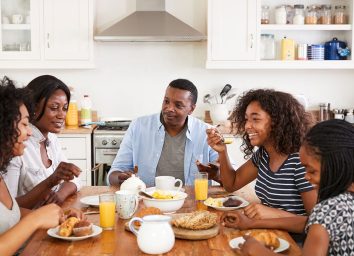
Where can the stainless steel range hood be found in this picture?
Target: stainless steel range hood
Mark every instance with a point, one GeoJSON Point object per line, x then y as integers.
{"type": "Point", "coordinates": [150, 23]}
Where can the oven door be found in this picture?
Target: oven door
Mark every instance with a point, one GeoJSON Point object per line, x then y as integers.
{"type": "Point", "coordinates": [105, 155]}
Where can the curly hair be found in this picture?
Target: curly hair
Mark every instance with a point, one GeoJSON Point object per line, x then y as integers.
{"type": "Point", "coordinates": [289, 120]}
{"type": "Point", "coordinates": [11, 98]}
{"type": "Point", "coordinates": [332, 143]}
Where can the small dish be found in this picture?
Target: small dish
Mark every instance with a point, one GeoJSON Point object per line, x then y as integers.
{"type": "Point", "coordinates": [90, 200]}
{"type": "Point", "coordinates": [223, 199]}
{"type": "Point", "coordinates": [53, 232]}
{"type": "Point", "coordinates": [234, 244]}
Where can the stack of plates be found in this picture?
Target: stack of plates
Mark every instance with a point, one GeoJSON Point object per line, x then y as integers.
{"type": "Point", "coordinates": [317, 52]}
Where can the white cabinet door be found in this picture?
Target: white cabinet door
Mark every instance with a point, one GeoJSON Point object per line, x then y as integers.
{"type": "Point", "coordinates": [232, 30]}
{"type": "Point", "coordinates": [66, 29]}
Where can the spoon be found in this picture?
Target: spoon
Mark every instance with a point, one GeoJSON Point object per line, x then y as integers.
{"type": "Point", "coordinates": [142, 193]}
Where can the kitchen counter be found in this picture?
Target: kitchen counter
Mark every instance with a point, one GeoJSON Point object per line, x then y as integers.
{"type": "Point", "coordinates": [77, 130]}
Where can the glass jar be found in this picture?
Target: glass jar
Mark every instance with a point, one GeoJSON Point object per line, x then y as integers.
{"type": "Point", "coordinates": [265, 14]}
{"type": "Point", "coordinates": [311, 14]}
{"type": "Point", "coordinates": [299, 14]}
{"type": "Point", "coordinates": [326, 14]}
{"type": "Point", "coordinates": [280, 15]}
{"type": "Point", "coordinates": [267, 47]}
{"type": "Point", "coordinates": [340, 15]}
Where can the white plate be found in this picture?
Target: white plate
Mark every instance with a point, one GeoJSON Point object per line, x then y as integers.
{"type": "Point", "coordinates": [90, 200]}
{"type": "Point", "coordinates": [53, 232]}
{"type": "Point", "coordinates": [234, 244]}
{"type": "Point", "coordinates": [223, 199]}
{"type": "Point", "coordinates": [152, 189]}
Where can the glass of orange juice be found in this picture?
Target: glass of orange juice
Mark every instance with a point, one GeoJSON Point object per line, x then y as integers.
{"type": "Point", "coordinates": [107, 211]}
{"type": "Point", "coordinates": [201, 186]}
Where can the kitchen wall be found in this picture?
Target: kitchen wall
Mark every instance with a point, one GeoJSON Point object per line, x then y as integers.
{"type": "Point", "coordinates": [130, 78]}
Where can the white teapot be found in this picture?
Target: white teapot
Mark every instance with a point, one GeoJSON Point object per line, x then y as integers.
{"type": "Point", "coordinates": [155, 235]}
{"type": "Point", "coordinates": [133, 184]}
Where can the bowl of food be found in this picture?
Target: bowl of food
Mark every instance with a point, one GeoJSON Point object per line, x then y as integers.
{"type": "Point", "coordinates": [168, 201]}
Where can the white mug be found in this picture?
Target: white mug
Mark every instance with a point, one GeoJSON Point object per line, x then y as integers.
{"type": "Point", "coordinates": [167, 183]}
{"type": "Point", "coordinates": [127, 203]}
{"type": "Point", "coordinates": [17, 19]}
{"type": "Point", "coordinates": [155, 235]}
{"type": "Point", "coordinates": [339, 116]}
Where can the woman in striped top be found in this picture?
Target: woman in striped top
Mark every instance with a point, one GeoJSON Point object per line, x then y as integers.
{"type": "Point", "coordinates": [273, 125]}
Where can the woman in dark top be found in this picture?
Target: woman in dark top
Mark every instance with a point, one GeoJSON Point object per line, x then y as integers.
{"type": "Point", "coordinates": [272, 124]}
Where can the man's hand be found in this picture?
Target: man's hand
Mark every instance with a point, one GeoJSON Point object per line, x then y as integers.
{"type": "Point", "coordinates": [212, 169]}
{"type": "Point", "coordinates": [122, 176]}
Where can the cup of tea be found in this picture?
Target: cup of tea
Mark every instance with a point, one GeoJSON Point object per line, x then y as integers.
{"type": "Point", "coordinates": [17, 19]}
{"type": "Point", "coordinates": [167, 183]}
{"type": "Point", "coordinates": [201, 186]}
{"type": "Point", "coordinates": [127, 203]}
{"type": "Point", "coordinates": [107, 207]}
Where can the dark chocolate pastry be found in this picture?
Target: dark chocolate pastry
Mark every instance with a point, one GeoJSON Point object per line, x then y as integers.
{"type": "Point", "coordinates": [232, 203]}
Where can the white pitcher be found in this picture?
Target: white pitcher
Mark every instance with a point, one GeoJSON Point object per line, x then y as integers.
{"type": "Point", "coordinates": [155, 235]}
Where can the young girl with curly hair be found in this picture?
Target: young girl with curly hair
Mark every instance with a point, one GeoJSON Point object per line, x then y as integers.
{"type": "Point", "coordinates": [328, 156]}
{"type": "Point", "coordinates": [272, 125]}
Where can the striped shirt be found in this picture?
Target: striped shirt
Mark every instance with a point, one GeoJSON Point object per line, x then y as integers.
{"type": "Point", "coordinates": [281, 189]}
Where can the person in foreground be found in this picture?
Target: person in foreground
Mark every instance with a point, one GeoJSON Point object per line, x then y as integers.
{"type": "Point", "coordinates": [167, 143]}
{"type": "Point", "coordinates": [42, 175]}
{"type": "Point", "coordinates": [275, 123]}
{"type": "Point", "coordinates": [328, 156]}
{"type": "Point", "coordinates": [17, 224]}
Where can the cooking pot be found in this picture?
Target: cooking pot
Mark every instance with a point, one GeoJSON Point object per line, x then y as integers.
{"type": "Point", "coordinates": [336, 50]}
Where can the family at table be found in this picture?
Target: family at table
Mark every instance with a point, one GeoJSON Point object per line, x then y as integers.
{"type": "Point", "coordinates": [304, 173]}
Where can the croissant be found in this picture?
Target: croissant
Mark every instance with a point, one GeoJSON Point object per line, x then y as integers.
{"type": "Point", "coordinates": [269, 239]}
{"type": "Point", "coordinates": [66, 228]}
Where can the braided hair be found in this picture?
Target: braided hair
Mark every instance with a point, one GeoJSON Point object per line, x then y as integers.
{"type": "Point", "coordinates": [11, 98]}
{"type": "Point", "coordinates": [289, 120]}
{"type": "Point", "coordinates": [332, 142]}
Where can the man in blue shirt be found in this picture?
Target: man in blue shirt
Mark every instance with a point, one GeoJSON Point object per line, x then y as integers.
{"type": "Point", "coordinates": [167, 143]}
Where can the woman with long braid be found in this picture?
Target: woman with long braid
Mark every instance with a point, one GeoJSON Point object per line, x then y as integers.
{"type": "Point", "coordinates": [328, 156]}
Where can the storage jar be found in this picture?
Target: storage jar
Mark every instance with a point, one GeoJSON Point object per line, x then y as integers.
{"type": "Point", "coordinates": [280, 15]}
{"type": "Point", "coordinates": [311, 14]}
{"type": "Point", "coordinates": [299, 14]}
{"type": "Point", "coordinates": [326, 14]}
{"type": "Point", "coordinates": [287, 49]}
{"type": "Point", "coordinates": [340, 15]}
{"type": "Point", "coordinates": [267, 47]}
{"type": "Point", "coordinates": [265, 14]}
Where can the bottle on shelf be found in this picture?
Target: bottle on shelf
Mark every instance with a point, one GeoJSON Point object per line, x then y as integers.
{"type": "Point", "coordinates": [326, 14]}
{"type": "Point", "coordinates": [287, 49]}
{"type": "Point", "coordinates": [340, 15]}
{"type": "Point", "coordinates": [311, 14]}
{"type": "Point", "coordinates": [267, 47]}
{"type": "Point", "coordinates": [86, 114]}
{"type": "Point", "coordinates": [280, 15]}
{"type": "Point", "coordinates": [265, 14]}
{"type": "Point", "coordinates": [72, 116]}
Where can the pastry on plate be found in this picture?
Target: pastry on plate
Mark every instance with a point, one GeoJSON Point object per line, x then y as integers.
{"type": "Point", "coordinates": [268, 238]}
{"type": "Point", "coordinates": [196, 220]}
{"type": "Point", "coordinates": [82, 228]}
{"type": "Point", "coordinates": [66, 228]}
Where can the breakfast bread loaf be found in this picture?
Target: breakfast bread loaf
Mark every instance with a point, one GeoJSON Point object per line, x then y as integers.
{"type": "Point", "coordinates": [82, 228]}
{"type": "Point", "coordinates": [66, 228]}
{"type": "Point", "coordinates": [268, 238]}
{"type": "Point", "coordinates": [147, 211]}
{"type": "Point", "coordinates": [196, 220]}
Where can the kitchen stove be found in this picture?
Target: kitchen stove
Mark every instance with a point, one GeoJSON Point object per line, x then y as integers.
{"type": "Point", "coordinates": [106, 143]}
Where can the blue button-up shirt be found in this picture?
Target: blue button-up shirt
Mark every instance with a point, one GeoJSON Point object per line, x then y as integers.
{"type": "Point", "coordinates": [142, 145]}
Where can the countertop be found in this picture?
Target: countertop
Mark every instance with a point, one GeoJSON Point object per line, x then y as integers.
{"type": "Point", "coordinates": [77, 130]}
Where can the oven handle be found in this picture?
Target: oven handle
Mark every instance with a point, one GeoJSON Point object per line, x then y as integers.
{"type": "Point", "coordinates": [108, 152]}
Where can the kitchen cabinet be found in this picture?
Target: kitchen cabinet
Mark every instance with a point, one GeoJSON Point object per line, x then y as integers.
{"type": "Point", "coordinates": [77, 149]}
{"type": "Point", "coordinates": [234, 31]}
{"type": "Point", "coordinates": [51, 34]}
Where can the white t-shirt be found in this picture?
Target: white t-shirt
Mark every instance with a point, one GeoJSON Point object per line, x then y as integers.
{"type": "Point", "coordinates": [9, 217]}
{"type": "Point", "coordinates": [26, 171]}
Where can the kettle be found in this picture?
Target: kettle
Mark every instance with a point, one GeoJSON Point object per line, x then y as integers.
{"type": "Point", "coordinates": [336, 50]}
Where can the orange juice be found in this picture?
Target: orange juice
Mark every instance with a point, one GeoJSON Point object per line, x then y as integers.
{"type": "Point", "coordinates": [107, 214]}
{"type": "Point", "coordinates": [201, 189]}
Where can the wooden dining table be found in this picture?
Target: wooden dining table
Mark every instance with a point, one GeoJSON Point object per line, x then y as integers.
{"type": "Point", "coordinates": [122, 242]}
